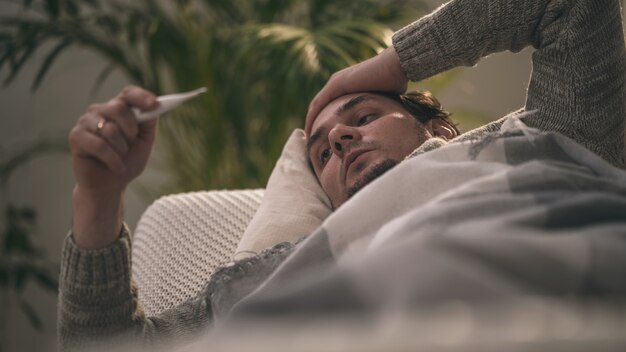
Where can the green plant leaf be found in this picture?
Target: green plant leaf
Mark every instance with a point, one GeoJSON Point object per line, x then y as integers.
{"type": "Point", "coordinates": [46, 279]}
{"type": "Point", "coordinates": [71, 7]}
{"type": "Point", "coordinates": [31, 151]}
{"type": "Point", "coordinates": [4, 275]}
{"type": "Point", "coordinates": [17, 63]}
{"type": "Point", "coordinates": [21, 274]}
{"type": "Point", "coordinates": [102, 76]}
{"type": "Point", "coordinates": [31, 314]}
{"type": "Point", "coordinates": [52, 55]}
{"type": "Point", "coordinates": [16, 238]}
{"type": "Point", "coordinates": [28, 214]}
{"type": "Point", "coordinates": [52, 8]}
{"type": "Point", "coordinates": [92, 3]}
{"type": "Point", "coordinates": [260, 83]}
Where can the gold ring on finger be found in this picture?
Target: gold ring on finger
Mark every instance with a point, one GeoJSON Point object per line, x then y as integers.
{"type": "Point", "coordinates": [100, 125]}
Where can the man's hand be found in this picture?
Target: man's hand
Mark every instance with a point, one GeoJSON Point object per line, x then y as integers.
{"type": "Point", "coordinates": [109, 149]}
{"type": "Point", "coordinates": [380, 73]}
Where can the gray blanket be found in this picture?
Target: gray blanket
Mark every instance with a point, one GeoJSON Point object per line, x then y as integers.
{"type": "Point", "coordinates": [514, 214]}
{"type": "Point", "coordinates": [518, 213]}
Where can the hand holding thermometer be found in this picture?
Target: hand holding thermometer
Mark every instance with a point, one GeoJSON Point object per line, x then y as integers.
{"type": "Point", "coordinates": [166, 103]}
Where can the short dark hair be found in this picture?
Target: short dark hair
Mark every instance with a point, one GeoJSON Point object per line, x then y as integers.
{"type": "Point", "coordinates": [422, 105]}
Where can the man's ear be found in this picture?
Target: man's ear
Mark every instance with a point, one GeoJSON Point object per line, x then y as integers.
{"type": "Point", "coordinates": [442, 129]}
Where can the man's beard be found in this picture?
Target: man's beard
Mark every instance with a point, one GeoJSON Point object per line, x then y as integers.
{"type": "Point", "coordinates": [371, 175]}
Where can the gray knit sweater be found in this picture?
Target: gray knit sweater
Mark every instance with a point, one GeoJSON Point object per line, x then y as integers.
{"type": "Point", "coordinates": [577, 88]}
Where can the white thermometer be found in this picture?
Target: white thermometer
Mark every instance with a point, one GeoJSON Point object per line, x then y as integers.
{"type": "Point", "coordinates": [166, 103]}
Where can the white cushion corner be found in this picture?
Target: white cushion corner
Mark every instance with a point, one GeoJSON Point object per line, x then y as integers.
{"type": "Point", "coordinates": [294, 204]}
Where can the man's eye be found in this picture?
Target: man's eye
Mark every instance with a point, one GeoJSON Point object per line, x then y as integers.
{"type": "Point", "coordinates": [366, 119]}
{"type": "Point", "coordinates": [325, 155]}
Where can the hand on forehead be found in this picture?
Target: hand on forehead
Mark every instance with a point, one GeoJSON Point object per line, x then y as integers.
{"type": "Point", "coordinates": [382, 72]}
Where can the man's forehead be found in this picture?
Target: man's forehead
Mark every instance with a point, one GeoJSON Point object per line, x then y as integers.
{"type": "Point", "coordinates": [339, 106]}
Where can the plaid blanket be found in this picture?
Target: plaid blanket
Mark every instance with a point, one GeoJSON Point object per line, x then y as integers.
{"type": "Point", "coordinates": [517, 212]}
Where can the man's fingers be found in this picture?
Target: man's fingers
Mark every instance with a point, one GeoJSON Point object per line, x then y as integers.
{"type": "Point", "coordinates": [86, 144]}
{"type": "Point", "coordinates": [340, 83]}
{"type": "Point", "coordinates": [138, 97]}
{"type": "Point", "coordinates": [311, 114]}
{"type": "Point", "coordinates": [143, 100]}
{"type": "Point", "coordinates": [112, 135]}
{"type": "Point", "coordinates": [100, 125]}
{"type": "Point", "coordinates": [148, 131]}
{"type": "Point", "coordinates": [108, 138]}
{"type": "Point", "coordinates": [382, 72]}
{"type": "Point", "coordinates": [329, 92]}
{"type": "Point", "coordinates": [119, 109]}
{"type": "Point", "coordinates": [118, 112]}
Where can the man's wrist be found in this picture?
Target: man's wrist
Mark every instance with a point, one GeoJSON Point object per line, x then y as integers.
{"type": "Point", "coordinates": [392, 60]}
{"type": "Point", "coordinates": [97, 218]}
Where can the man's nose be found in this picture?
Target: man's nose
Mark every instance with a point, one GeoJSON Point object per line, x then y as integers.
{"type": "Point", "coordinates": [340, 138]}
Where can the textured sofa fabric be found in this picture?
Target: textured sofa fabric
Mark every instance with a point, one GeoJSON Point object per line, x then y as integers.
{"type": "Point", "coordinates": [182, 238]}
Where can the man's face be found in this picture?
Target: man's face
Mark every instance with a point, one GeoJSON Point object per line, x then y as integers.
{"type": "Point", "coordinates": [357, 138]}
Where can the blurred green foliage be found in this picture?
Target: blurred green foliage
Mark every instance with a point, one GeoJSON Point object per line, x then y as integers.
{"type": "Point", "coordinates": [21, 260]}
{"type": "Point", "coordinates": [262, 61]}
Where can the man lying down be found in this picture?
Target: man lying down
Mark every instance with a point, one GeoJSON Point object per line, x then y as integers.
{"type": "Point", "coordinates": [531, 204]}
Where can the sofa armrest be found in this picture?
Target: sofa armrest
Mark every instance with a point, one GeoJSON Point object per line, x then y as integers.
{"type": "Point", "coordinates": [180, 240]}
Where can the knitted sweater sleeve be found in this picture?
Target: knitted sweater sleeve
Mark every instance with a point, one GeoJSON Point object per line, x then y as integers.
{"type": "Point", "coordinates": [98, 302]}
{"type": "Point", "coordinates": [577, 84]}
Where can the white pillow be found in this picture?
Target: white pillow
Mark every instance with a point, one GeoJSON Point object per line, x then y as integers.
{"type": "Point", "coordinates": [293, 204]}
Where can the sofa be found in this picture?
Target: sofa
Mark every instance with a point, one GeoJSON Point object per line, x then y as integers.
{"type": "Point", "coordinates": [180, 239]}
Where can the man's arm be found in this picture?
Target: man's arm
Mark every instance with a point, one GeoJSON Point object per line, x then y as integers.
{"type": "Point", "coordinates": [578, 81]}
{"type": "Point", "coordinates": [577, 85]}
{"type": "Point", "coordinates": [97, 299]}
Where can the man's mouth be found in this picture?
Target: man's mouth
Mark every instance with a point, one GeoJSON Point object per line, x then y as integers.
{"type": "Point", "coordinates": [351, 158]}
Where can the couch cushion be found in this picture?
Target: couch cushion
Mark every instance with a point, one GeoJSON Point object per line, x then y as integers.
{"type": "Point", "coordinates": [294, 203]}
{"type": "Point", "coordinates": [181, 239]}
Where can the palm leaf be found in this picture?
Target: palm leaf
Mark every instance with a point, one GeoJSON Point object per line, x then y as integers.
{"type": "Point", "coordinates": [262, 61]}
{"type": "Point", "coordinates": [45, 278]}
{"type": "Point", "coordinates": [45, 66]}
{"type": "Point", "coordinates": [28, 153]}
{"type": "Point", "coordinates": [31, 314]}
{"type": "Point", "coordinates": [102, 76]}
